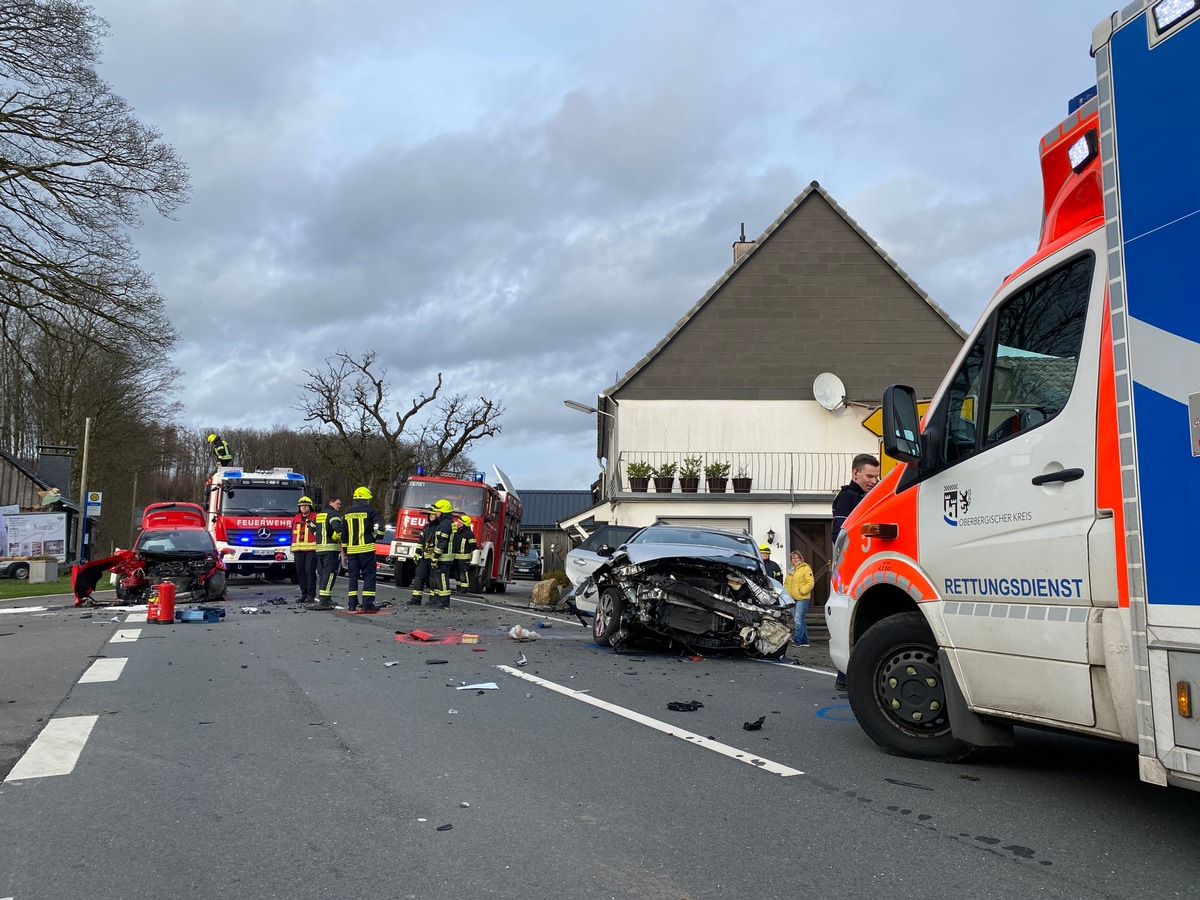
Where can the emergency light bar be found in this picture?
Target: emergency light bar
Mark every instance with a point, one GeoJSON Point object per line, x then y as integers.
{"type": "Point", "coordinates": [1168, 12]}
{"type": "Point", "coordinates": [420, 470]}
{"type": "Point", "coordinates": [479, 476]}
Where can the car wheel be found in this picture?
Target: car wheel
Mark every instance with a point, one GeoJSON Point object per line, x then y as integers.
{"type": "Point", "coordinates": [897, 692]}
{"type": "Point", "coordinates": [405, 573]}
{"type": "Point", "coordinates": [607, 621]}
{"type": "Point", "coordinates": [122, 593]}
{"type": "Point", "coordinates": [19, 570]}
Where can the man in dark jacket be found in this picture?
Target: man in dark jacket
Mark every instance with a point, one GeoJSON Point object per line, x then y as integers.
{"type": "Point", "coordinates": [764, 552]}
{"type": "Point", "coordinates": [328, 550]}
{"type": "Point", "coordinates": [864, 475]}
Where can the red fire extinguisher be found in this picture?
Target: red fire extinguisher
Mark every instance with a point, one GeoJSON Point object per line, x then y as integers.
{"type": "Point", "coordinates": [166, 602]}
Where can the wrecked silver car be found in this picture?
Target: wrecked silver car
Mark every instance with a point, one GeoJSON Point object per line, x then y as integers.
{"type": "Point", "coordinates": [703, 589]}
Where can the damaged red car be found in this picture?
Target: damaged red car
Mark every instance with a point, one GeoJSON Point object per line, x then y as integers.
{"type": "Point", "coordinates": [173, 546]}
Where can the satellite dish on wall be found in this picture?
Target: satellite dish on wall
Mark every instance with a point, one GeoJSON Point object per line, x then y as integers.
{"type": "Point", "coordinates": [829, 391]}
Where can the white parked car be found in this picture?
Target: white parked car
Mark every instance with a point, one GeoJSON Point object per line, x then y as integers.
{"type": "Point", "coordinates": [583, 560]}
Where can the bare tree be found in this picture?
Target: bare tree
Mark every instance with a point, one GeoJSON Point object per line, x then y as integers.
{"type": "Point", "coordinates": [76, 169]}
{"type": "Point", "coordinates": [361, 434]}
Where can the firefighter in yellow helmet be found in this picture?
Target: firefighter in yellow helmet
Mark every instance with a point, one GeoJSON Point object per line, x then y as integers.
{"type": "Point", "coordinates": [220, 449]}
{"type": "Point", "coordinates": [362, 525]}
{"type": "Point", "coordinates": [464, 549]}
{"type": "Point", "coordinates": [434, 557]}
{"type": "Point", "coordinates": [304, 549]}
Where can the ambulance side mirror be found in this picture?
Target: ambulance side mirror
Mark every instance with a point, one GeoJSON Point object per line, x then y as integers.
{"type": "Point", "coordinates": [901, 424]}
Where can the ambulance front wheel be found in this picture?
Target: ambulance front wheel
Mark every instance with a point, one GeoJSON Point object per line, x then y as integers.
{"type": "Point", "coordinates": [897, 692]}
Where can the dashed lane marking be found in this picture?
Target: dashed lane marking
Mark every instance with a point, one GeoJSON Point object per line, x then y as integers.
{"type": "Point", "coordinates": [23, 609]}
{"type": "Point", "coordinates": [126, 636]}
{"type": "Point", "coordinates": [103, 670]}
{"type": "Point", "coordinates": [56, 749]}
{"type": "Point", "coordinates": [666, 728]}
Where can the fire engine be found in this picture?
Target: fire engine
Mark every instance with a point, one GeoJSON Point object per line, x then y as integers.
{"type": "Point", "coordinates": [250, 517]}
{"type": "Point", "coordinates": [1027, 564]}
{"type": "Point", "coordinates": [495, 513]}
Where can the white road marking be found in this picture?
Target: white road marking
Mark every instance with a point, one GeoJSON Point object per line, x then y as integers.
{"type": "Point", "coordinates": [743, 756]}
{"type": "Point", "coordinates": [136, 616]}
{"type": "Point", "coordinates": [126, 635]}
{"type": "Point", "coordinates": [798, 668]}
{"type": "Point", "coordinates": [56, 749]}
{"type": "Point", "coordinates": [520, 612]}
{"type": "Point", "coordinates": [24, 609]}
{"type": "Point", "coordinates": [103, 670]}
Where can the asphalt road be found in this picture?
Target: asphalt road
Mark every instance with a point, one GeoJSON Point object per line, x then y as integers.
{"type": "Point", "coordinates": [278, 754]}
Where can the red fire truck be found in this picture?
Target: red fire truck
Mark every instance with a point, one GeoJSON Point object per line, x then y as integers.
{"type": "Point", "coordinates": [495, 513]}
{"type": "Point", "coordinates": [250, 517]}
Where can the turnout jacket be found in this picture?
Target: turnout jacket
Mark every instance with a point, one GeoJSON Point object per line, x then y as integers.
{"type": "Point", "coordinates": [327, 530]}
{"type": "Point", "coordinates": [434, 544]}
{"type": "Point", "coordinates": [363, 525]}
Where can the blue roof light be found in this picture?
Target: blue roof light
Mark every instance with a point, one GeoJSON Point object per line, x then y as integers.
{"type": "Point", "coordinates": [295, 476]}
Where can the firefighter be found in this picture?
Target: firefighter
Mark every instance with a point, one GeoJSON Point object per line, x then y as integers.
{"type": "Point", "coordinates": [434, 557]}
{"type": "Point", "coordinates": [304, 546]}
{"type": "Point", "coordinates": [220, 449]}
{"type": "Point", "coordinates": [328, 550]}
{"type": "Point", "coordinates": [363, 526]}
{"type": "Point", "coordinates": [464, 549]}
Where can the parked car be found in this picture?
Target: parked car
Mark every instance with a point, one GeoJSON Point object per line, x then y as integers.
{"type": "Point", "coordinates": [528, 565]}
{"type": "Point", "coordinates": [584, 559]}
{"type": "Point", "coordinates": [173, 546]}
{"type": "Point", "coordinates": [702, 588]}
{"type": "Point", "coordinates": [385, 563]}
{"type": "Point", "coordinates": [14, 568]}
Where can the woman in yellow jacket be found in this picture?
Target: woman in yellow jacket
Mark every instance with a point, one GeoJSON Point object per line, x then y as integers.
{"type": "Point", "coordinates": [799, 583]}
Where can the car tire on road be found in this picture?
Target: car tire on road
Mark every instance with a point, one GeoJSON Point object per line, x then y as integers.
{"type": "Point", "coordinates": [607, 621]}
{"type": "Point", "coordinates": [896, 690]}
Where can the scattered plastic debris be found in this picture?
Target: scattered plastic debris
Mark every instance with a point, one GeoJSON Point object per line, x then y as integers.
{"type": "Point", "coordinates": [479, 649]}
{"type": "Point", "coordinates": [517, 633]}
{"type": "Point", "coordinates": [696, 659]}
{"type": "Point", "coordinates": [465, 805]}
{"type": "Point", "coordinates": [115, 619]}
{"type": "Point", "coordinates": [470, 639]}
{"type": "Point", "coordinates": [422, 820]}
{"type": "Point", "coordinates": [683, 705]}
{"type": "Point", "coordinates": [420, 635]}
{"type": "Point", "coordinates": [446, 827]}
{"type": "Point", "coordinates": [544, 625]}
{"type": "Point", "coordinates": [393, 663]}
{"type": "Point", "coordinates": [485, 686]}
{"type": "Point", "coordinates": [756, 725]}
{"type": "Point", "coordinates": [251, 610]}
{"type": "Point", "coordinates": [522, 661]}
{"type": "Point", "coordinates": [436, 662]}
{"type": "Point", "coordinates": [452, 712]}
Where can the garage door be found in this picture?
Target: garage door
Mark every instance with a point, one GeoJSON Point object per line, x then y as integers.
{"type": "Point", "coordinates": [738, 525]}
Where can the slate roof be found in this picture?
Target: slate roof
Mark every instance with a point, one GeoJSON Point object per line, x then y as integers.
{"type": "Point", "coordinates": [544, 509]}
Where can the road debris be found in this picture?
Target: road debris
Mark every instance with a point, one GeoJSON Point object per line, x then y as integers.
{"type": "Point", "coordinates": [484, 686]}
{"type": "Point", "coordinates": [470, 639]}
{"type": "Point", "coordinates": [756, 725]}
{"type": "Point", "coordinates": [393, 663]}
{"type": "Point", "coordinates": [446, 827]}
{"type": "Point", "coordinates": [683, 705]}
{"type": "Point", "coordinates": [517, 633]}
{"type": "Point", "coordinates": [522, 661]}
{"type": "Point", "coordinates": [436, 662]}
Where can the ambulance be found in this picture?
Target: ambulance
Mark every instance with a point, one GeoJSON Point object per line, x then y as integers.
{"type": "Point", "coordinates": [1028, 563]}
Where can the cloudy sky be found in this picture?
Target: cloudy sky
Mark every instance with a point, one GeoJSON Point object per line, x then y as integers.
{"type": "Point", "coordinates": [527, 195]}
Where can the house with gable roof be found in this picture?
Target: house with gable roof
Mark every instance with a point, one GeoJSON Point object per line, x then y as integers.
{"type": "Point", "coordinates": [732, 383]}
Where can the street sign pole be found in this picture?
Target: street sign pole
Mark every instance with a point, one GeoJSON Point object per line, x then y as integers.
{"type": "Point", "coordinates": [87, 430]}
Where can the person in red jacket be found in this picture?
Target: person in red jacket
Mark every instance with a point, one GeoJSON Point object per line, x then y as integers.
{"type": "Point", "coordinates": [304, 549]}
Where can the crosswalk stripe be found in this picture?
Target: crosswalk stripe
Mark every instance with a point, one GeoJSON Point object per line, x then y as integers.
{"type": "Point", "coordinates": [104, 670]}
{"type": "Point", "coordinates": [56, 749]}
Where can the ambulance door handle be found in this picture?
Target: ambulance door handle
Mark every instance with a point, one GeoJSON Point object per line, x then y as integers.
{"type": "Point", "coordinates": [1061, 475]}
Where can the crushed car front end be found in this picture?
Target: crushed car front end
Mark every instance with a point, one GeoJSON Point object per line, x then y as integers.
{"type": "Point", "coordinates": [705, 599]}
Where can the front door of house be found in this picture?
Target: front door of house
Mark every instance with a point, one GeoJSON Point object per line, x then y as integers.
{"type": "Point", "coordinates": [812, 537]}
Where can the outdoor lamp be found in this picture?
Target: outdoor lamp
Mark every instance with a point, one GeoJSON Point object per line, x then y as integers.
{"type": "Point", "coordinates": [770, 535]}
